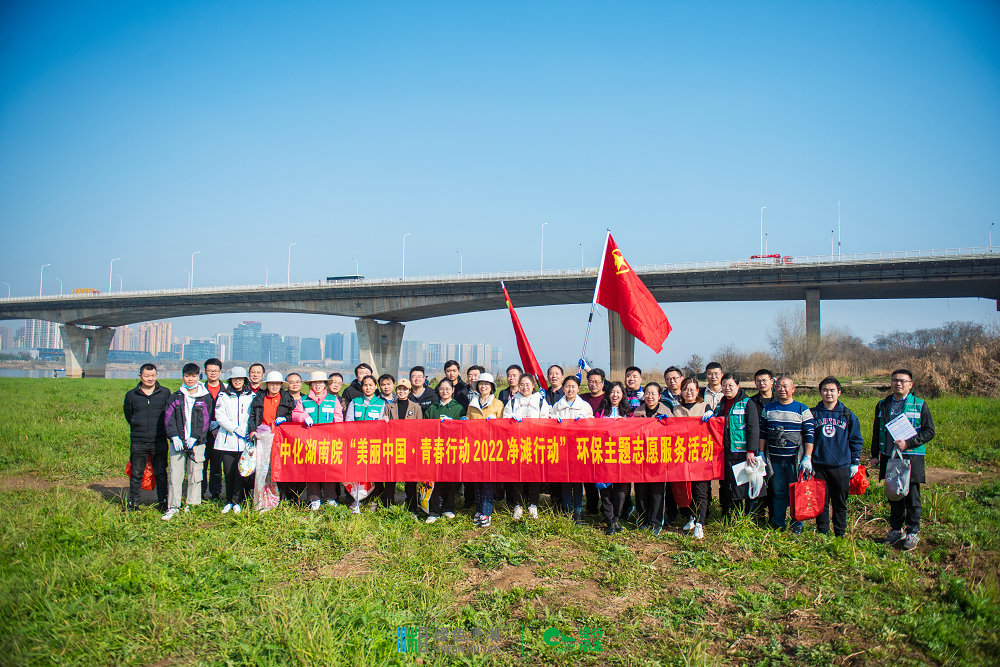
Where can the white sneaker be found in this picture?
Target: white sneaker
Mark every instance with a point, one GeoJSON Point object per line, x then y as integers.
{"type": "Point", "coordinates": [356, 508]}
{"type": "Point", "coordinates": [533, 511]}
{"type": "Point", "coordinates": [187, 508]}
{"type": "Point", "coordinates": [699, 532]}
{"type": "Point", "coordinates": [314, 505]}
{"type": "Point", "coordinates": [228, 508]}
{"type": "Point", "coordinates": [518, 513]}
{"type": "Point", "coordinates": [431, 519]}
{"type": "Point", "coordinates": [236, 509]}
{"type": "Point", "coordinates": [689, 525]}
{"type": "Point", "coordinates": [331, 503]}
{"type": "Point", "coordinates": [170, 514]}
{"type": "Point", "coordinates": [448, 515]}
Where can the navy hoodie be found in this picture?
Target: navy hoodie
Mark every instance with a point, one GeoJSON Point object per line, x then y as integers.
{"type": "Point", "coordinates": [838, 441]}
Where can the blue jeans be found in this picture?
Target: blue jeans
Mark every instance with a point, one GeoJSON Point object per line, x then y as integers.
{"type": "Point", "coordinates": [484, 498]}
{"type": "Point", "coordinates": [572, 497]}
{"type": "Point", "coordinates": [785, 472]}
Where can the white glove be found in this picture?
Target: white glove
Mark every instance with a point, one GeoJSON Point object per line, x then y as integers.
{"type": "Point", "coordinates": [854, 471]}
{"type": "Point", "coordinates": [279, 421]}
{"type": "Point", "coordinates": [308, 421]}
{"type": "Point", "coordinates": [806, 466]}
{"type": "Point", "coordinates": [443, 417]}
{"type": "Point", "coordinates": [178, 444]}
{"type": "Point", "coordinates": [190, 442]}
{"type": "Point", "coordinates": [490, 417]}
{"type": "Point", "coordinates": [708, 415]}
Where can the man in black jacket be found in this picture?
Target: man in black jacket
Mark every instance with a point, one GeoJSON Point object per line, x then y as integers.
{"type": "Point", "coordinates": [354, 389]}
{"type": "Point", "coordinates": [143, 408]}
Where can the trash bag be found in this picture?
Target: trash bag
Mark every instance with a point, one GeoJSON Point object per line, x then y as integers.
{"type": "Point", "coordinates": [248, 460]}
{"type": "Point", "coordinates": [756, 472]}
{"type": "Point", "coordinates": [148, 478]}
{"type": "Point", "coordinates": [897, 476]}
{"type": "Point", "coordinates": [265, 490]}
{"type": "Point", "coordinates": [807, 497]}
{"type": "Point", "coordinates": [424, 490]}
{"type": "Point", "coordinates": [859, 483]}
{"type": "Point", "coordinates": [682, 493]}
{"type": "Point", "coordinates": [358, 490]}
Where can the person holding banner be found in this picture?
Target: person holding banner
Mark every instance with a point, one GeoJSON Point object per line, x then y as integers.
{"type": "Point", "coordinates": [741, 429]}
{"type": "Point", "coordinates": [232, 412]}
{"type": "Point", "coordinates": [571, 406]}
{"type": "Point", "coordinates": [271, 407]}
{"type": "Point", "coordinates": [649, 495]}
{"type": "Point", "coordinates": [405, 408]}
{"type": "Point", "coordinates": [319, 407]}
{"type": "Point", "coordinates": [442, 502]}
{"type": "Point", "coordinates": [514, 373]}
{"type": "Point", "coordinates": [693, 405]}
{"type": "Point", "coordinates": [483, 405]}
{"type": "Point", "coordinates": [367, 407]}
{"type": "Point", "coordinates": [527, 403]}
{"type": "Point", "coordinates": [613, 406]}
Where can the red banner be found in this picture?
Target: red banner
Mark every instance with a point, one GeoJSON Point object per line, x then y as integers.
{"type": "Point", "coordinates": [500, 450]}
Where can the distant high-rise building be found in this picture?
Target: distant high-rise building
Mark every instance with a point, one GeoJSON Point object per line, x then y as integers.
{"type": "Point", "coordinates": [452, 352]}
{"type": "Point", "coordinates": [411, 354]}
{"type": "Point", "coordinates": [272, 349]}
{"type": "Point", "coordinates": [309, 350]}
{"type": "Point", "coordinates": [224, 341]}
{"type": "Point", "coordinates": [6, 338]}
{"type": "Point", "coordinates": [355, 350]}
{"type": "Point", "coordinates": [199, 351]}
{"type": "Point", "coordinates": [465, 355]}
{"type": "Point", "coordinates": [247, 342]}
{"type": "Point", "coordinates": [434, 357]}
{"type": "Point", "coordinates": [153, 337]}
{"type": "Point", "coordinates": [125, 339]}
{"type": "Point", "coordinates": [333, 347]}
{"type": "Point", "coordinates": [41, 333]}
{"type": "Point", "coordinates": [292, 346]}
{"type": "Point", "coordinates": [497, 360]}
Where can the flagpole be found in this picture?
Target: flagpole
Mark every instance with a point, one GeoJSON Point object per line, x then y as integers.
{"type": "Point", "coordinates": [593, 302]}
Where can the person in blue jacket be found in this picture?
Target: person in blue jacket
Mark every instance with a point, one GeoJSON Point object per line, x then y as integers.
{"type": "Point", "coordinates": [836, 454]}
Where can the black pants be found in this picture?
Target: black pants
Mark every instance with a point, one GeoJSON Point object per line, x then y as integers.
{"type": "Point", "coordinates": [669, 506]}
{"type": "Point", "coordinates": [320, 491]}
{"type": "Point", "coordinates": [592, 499]}
{"type": "Point", "coordinates": [384, 492]}
{"type": "Point", "coordinates": [442, 498]}
{"type": "Point", "coordinates": [612, 502]}
{"type": "Point", "coordinates": [838, 484]}
{"type": "Point", "coordinates": [412, 500]}
{"type": "Point", "coordinates": [640, 506]}
{"type": "Point", "coordinates": [908, 507]}
{"type": "Point", "coordinates": [651, 495]}
{"type": "Point", "coordinates": [733, 496]}
{"type": "Point", "coordinates": [628, 506]}
{"type": "Point", "coordinates": [701, 496]}
{"type": "Point", "coordinates": [211, 473]}
{"type": "Point", "coordinates": [525, 494]}
{"type": "Point", "coordinates": [137, 455]}
{"type": "Point", "coordinates": [237, 486]}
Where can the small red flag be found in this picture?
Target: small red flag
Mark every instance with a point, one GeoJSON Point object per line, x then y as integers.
{"type": "Point", "coordinates": [531, 365]}
{"type": "Point", "coordinates": [620, 289]}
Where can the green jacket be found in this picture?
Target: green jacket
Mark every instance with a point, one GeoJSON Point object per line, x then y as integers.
{"type": "Point", "coordinates": [917, 412]}
{"type": "Point", "coordinates": [454, 409]}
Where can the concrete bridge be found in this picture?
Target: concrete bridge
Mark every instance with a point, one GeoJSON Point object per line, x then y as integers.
{"type": "Point", "coordinates": [381, 306]}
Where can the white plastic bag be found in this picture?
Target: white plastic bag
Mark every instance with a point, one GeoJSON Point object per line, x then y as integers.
{"type": "Point", "coordinates": [897, 476]}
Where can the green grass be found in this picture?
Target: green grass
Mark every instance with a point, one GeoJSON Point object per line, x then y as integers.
{"type": "Point", "coordinates": [81, 582]}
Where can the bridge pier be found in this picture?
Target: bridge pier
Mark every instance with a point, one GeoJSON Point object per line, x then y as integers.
{"type": "Point", "coordinates": [812, 324]}
{"type": "Point", "coordinates": [622, 345]}
{"type": "Point", "coordinates": [86, 350]}
{"type": "Point", "coordinates": [379, 344]}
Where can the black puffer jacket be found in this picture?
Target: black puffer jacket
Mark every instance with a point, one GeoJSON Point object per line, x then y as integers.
{"type": "Point", "coordinates": [144, 414]}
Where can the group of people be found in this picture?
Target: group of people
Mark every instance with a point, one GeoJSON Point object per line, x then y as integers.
{"type": "Point", "coordinates": [203, 429]}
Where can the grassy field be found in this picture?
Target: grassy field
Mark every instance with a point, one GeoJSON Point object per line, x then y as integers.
{"type": "Point", "coordinates": [83, 582]}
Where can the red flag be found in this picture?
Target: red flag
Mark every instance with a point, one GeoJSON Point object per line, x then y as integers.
{"type": "Point", "coordinates": [620, 289]}
{"type": "Point", "coordinates": [531, 365]}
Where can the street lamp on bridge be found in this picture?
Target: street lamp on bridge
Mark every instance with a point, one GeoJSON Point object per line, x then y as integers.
{"type": "Point", "coordinates": [459, 260]}
{"type": "Point", "coordinates": [404, 253]}
{"type": "Point", "coordinates": [541, 261]}
{"type": "Point", "coordinates": [288, 279]}
{"type": "Point", "coordinates": [8, 288]}
{"type": "Point", "coordinates": [121, 282]}
{"type": "Point", "coordinates": [40, 275]}
{"type": "Point", "coordinates": [191, 278]}
{"type": "Point", "coordinates": [266, 272]}
{"type": "Point", "coordinates": [762, 230]}
{"type": "Point", "coordinates": [60, 286]}
{"type": "Point", "coordinates": [111, 272]}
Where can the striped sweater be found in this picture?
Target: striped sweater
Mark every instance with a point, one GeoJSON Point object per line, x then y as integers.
{"type": "Point", "coordinates": [786, 428]}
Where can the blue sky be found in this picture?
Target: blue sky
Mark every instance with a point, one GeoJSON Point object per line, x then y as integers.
{"type": "Point", "coordinates": [149, 130]}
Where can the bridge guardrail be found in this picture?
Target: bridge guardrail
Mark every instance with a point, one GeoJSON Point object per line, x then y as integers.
{"type": "Point", "coordinates": [811, 260]}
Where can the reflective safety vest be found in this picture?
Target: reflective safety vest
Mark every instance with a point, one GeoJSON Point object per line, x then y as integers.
{"type": "Point", "coordinates": [736, 426]}
{"type": "Point", "coordinates": [912, 407]}
{"type": "Point", "coordinates": [322, 412]}
{"type": "Point", "coordinates": [368, 412]}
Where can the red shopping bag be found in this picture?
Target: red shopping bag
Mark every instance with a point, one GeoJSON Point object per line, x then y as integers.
{"type": "Point", "coordinates": [859, 483]}
{"type": "Point", "coordinates": [682, 493]}
{"type": "Point", "coordinates": [807, 498]}
{"type": "Point", "coordinates": [148, 479]}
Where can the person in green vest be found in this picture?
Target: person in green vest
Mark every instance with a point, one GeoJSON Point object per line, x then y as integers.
{"type": "Point", "coordinates": [442, 501]}
{"type": "Point", "coordinates": [741, 430]}
{"type": "Point", "coordinates": [903, 402]}
{"type": "Point", "coordinates": [366, 407]}
{"type": "Point", "coordinates": [319, 407]}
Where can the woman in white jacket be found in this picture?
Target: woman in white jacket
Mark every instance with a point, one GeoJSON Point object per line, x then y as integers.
{"type": "Point", "coordinates": [572, 407]}
{"type": "Point", "coordinates": [526, 404]}
{"type": "Point", "coordinates": [232, 412]}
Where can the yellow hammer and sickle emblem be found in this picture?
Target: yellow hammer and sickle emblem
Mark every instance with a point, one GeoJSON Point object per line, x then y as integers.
{"type": "Point", "coordinates": [621, 266]}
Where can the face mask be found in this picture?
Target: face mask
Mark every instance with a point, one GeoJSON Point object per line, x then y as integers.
{"type": "Point", "coordinates": [190, 386]}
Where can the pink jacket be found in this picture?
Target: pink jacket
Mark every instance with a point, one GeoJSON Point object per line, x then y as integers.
{"type": "Point", "coordinates": [299, 413]}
